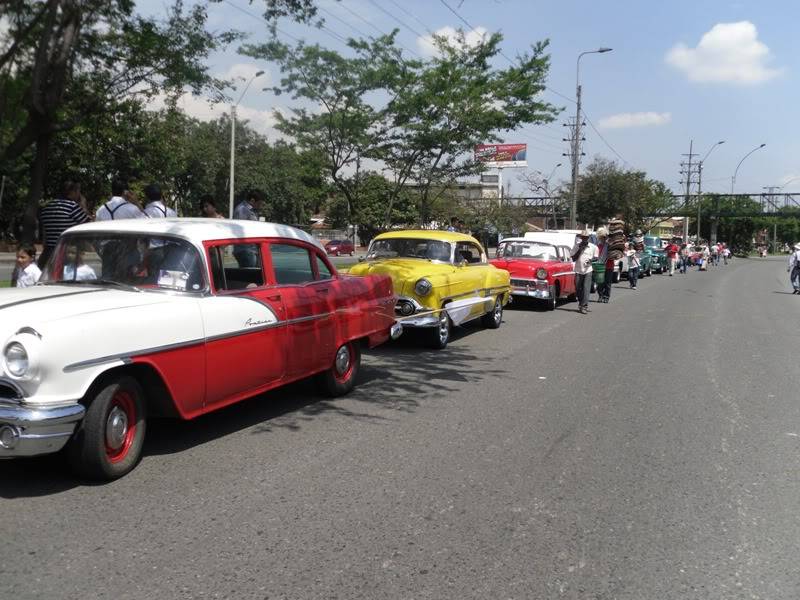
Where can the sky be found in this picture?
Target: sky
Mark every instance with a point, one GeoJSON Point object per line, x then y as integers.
{"type": "Point", "coordinates": [680, 71]}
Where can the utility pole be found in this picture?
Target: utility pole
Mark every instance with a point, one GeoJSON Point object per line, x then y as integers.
{"type": "Point", "coordinates": [770, 199]}
{"type": "Point", "coordinates": [574, 155]}
{"type": "Point", "coordinates": [688, 170]}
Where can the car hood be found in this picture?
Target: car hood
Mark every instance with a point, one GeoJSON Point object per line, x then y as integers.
{"type": "Point", "coordinates": [522, 266]}
{"type": "Point", "coordinates": [405, 272]}
{"type": "Point", "coordinates": [49, 303]}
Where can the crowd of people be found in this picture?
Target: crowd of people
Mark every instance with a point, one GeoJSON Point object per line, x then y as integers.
{"type": "Point", "coordinates": [594, 253]}
{"type": "Point", "coordinates": [70, 209]}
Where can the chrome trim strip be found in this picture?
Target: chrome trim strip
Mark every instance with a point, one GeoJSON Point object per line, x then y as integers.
{"type": "Point", "coordinates": [30, 300]}
{"type": "Point", "coordinates": [25, 416]}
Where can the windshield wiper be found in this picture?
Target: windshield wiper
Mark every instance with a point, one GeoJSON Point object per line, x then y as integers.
{"type": "Point", "coordinates": [119, 284]}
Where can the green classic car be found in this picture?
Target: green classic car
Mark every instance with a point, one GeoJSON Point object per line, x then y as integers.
{"type": "Point", "coordinates": [658, 255]}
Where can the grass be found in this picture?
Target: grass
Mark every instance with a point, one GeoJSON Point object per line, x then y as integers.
{"type": "Point", "coordinates": [5, 284]}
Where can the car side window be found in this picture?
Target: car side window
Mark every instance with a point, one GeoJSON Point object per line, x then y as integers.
{"type": "Point", "coordinates": [323, 272]}
{"type": "Point", "coordinates": [236, 266]}
{"type": "Point", "coordinates": [469, 252]}
{"type": "Point", "coordinates": [291, 264]}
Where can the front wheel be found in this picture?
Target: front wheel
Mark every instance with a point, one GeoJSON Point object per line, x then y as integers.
{"type": "Point", "coordinates": [492, 319]}
{"type": "Point", "coordinates": [108, 442]}
{"type": "Point", "coordinates": [340, 378]}
{"type": "Point", "coordinates": [439, 336]}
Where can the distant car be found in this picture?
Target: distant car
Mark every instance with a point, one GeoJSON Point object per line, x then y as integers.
{"type": "Point", "coordinates": [655, 245]}
{"type": "Point", "coordinates": [139, 318]}
{"type": "Point", "coordinates": [339, 247]}
{"type": "Point", "coordinates": [538, 270]}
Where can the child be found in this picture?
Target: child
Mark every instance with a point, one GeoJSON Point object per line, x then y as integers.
{"type": "Point", "coordinates": [633, 266]}
{"type": "Point", "coordinates": [74, 267]}
{"type": "Point", "coordinates": [28, 272]}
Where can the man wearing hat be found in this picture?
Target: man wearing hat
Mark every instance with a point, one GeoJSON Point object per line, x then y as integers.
{"type": "Point", "coordinates": [794, 268]}
{"type": "Point", "coordinates": [583, 253]}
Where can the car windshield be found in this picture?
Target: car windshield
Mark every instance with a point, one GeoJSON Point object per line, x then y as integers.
{"type": "Point", "coordinates": [532, 250]}
{"type": "Point", "coordinates": [652, 242]}
{"type": "Point", "coordinates": [410, 248]}
{"type": "Point", "coordinates": [126, 260]}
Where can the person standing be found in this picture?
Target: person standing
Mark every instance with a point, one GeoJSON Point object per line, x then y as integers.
{"type": "Point", "coordinates": [28, 272]}
{"type": "Point", "coordinates": [155, 208]}
{"type": "Point", "coordinates": [672, 256]}
{"type": "Point", "coordinates": [683, 258]}
{"type": "Point", "coordinates": [583, 253]}
{"type": "Point", "coordinates": [59, 215]}
{"type": "Point", "coordinates": [120, 205]}
{"type": "Point", "coordinates": [604, 289]}
{"type": "Point", "coordinates": [794, 269]}
{"type": "Point", "coordinates": [247, 254]}
{"type": "Point", "coordinates": [634, 263]}
{"type": "Point", "coordinates": [210, 207]}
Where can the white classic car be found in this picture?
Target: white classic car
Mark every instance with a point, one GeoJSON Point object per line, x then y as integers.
{"type": "Point", "coordinates": [172, 317]}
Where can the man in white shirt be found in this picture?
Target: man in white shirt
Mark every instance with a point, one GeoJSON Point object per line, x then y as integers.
{"type": "Point", "coordinates": [583, 253]}
{"type": "Point", "coordinates": [119, 206]}
{"type": "Point", "coordinates": [155, 208]}
{"type": "Point", "coordinates": [246, 254]}
{"type": "Point", "coordinates": [794, 268]}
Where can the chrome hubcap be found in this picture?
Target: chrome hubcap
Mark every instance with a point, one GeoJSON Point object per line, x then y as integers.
{"type": "Point", "coordinates": [342, 360]}
{"type": "Point", "coordinates": [498, 311]}
{"type": "Point", "coordinates": [116, 428]}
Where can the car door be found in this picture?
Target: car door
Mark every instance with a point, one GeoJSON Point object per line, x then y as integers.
{"type": "Point", "coordinates": [243, 319]}
{"type": "Point", "coordinates": [309, 304]}
{"type": "Point", "coordinates": [566, 271]}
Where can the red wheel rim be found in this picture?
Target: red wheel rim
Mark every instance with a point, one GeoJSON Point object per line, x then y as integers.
{"type": "Point", "coordinates": [343, 367]}
{"type": "Point", "coordinates": [120, 426]}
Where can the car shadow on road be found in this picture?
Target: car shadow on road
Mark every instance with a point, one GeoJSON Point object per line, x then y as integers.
{"type": "Point", "coordinates": [393, 377]}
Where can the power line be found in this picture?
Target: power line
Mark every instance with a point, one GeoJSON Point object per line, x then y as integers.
{"type": "Point", "coordinates": [341, 20]}
{"type": "Point", "coordinates": [383, 33]}
{"type": "Point", "coordinates": [392, 16]}
{"type": "Point", "coordinates": [412, 15]}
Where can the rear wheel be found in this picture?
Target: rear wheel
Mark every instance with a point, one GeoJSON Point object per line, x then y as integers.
{"type": "Point", "coordinates": [340, 378]}
{"type": "Point", "coordinates": [492, 319]}
{"type": "Point", "coordinates": [439, 336]}
{"type": "Point", "coordinates": [108, 442]}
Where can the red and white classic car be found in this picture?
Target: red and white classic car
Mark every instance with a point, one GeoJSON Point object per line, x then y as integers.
{"type": "Point", "coordinates": [172, 317]}
{"type": "Point", "coordinates": [538, 269]}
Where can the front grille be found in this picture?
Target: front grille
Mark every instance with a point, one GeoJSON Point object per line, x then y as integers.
{"type": "Point", "coordinates": [523, 282]}
{"type": "Point", "coordinates": [10, 391]}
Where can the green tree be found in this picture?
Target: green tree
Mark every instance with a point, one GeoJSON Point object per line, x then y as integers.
{"type": "Point", "coordinates": [419, 119]}
{"type": "Point", "coordinates": [607, 192]}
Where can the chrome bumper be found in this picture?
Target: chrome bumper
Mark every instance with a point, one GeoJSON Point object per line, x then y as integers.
{"type": "Point", "coordinates": [540, 291]}
{"type": "Point", "coordinates": [31, 430]}
{"type": "Point", "coordinates": [425, 319]}
{"type": "Point", "coordinates": [396, 331]}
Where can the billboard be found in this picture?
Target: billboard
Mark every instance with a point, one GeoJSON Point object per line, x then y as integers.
{"type": "Point", "coordinates": [501, 155]}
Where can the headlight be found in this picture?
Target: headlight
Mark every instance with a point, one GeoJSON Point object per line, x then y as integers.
{"type": "Point", "coordinates": [541, 273]}
{"type": "Point", "coordinates": [423, 287]}
{"type": "Point", "coordinates": [16, 358]}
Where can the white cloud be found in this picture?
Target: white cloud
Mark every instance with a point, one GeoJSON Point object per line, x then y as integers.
{"type": "Point", "coordinates": [729, 52]}
{"type": "Point", "coordinates": [263, 121]}
{"type": "Point", "coordinates": [638, 119]}
{"type": "Point", "coordinates": [243, 72]}
{"type": "Point", "coordinates": [427, 45]}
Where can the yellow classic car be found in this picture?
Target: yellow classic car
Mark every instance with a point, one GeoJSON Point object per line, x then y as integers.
{"type": "Point", "coordinates": [441, 279]}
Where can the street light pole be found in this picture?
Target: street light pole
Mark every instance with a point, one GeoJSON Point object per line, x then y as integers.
{"type": "Point", "coordinates": [733, 179]}
{"type": "Point", "coordinates": [233, 141]}
{"type": "Point", "coordinates": [576, 145]}
{"type": "Point", "coordinates": [700, 183]}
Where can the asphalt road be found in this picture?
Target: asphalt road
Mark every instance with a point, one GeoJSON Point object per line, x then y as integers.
{"type": "Point", "coordinates": [647, 450]}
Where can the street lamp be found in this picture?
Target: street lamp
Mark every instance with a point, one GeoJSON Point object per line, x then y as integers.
{"type": "Point", "coordinates": [700, 184]}
{"type": "Point", "coordinates": [576, 146]}
{"type": "Point", "coordinates": [733, 179]}
{"type": "Point", "coordinates": [233, 139]}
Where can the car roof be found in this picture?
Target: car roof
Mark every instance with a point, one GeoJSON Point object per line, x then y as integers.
{"type": "Point", "coordinates": [198, 229]}
{"type": "Point", "coordinates": [428, 234]}
{"type": "Point", "coordinates": [529, 240]}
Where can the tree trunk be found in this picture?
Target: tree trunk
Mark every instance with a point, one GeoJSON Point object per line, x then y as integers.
{"type": "Point", "coordinates": [38, 169]}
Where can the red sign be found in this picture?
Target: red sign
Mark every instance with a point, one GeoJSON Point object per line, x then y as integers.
{"type": "Point", "coordinates": [507, 154]}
